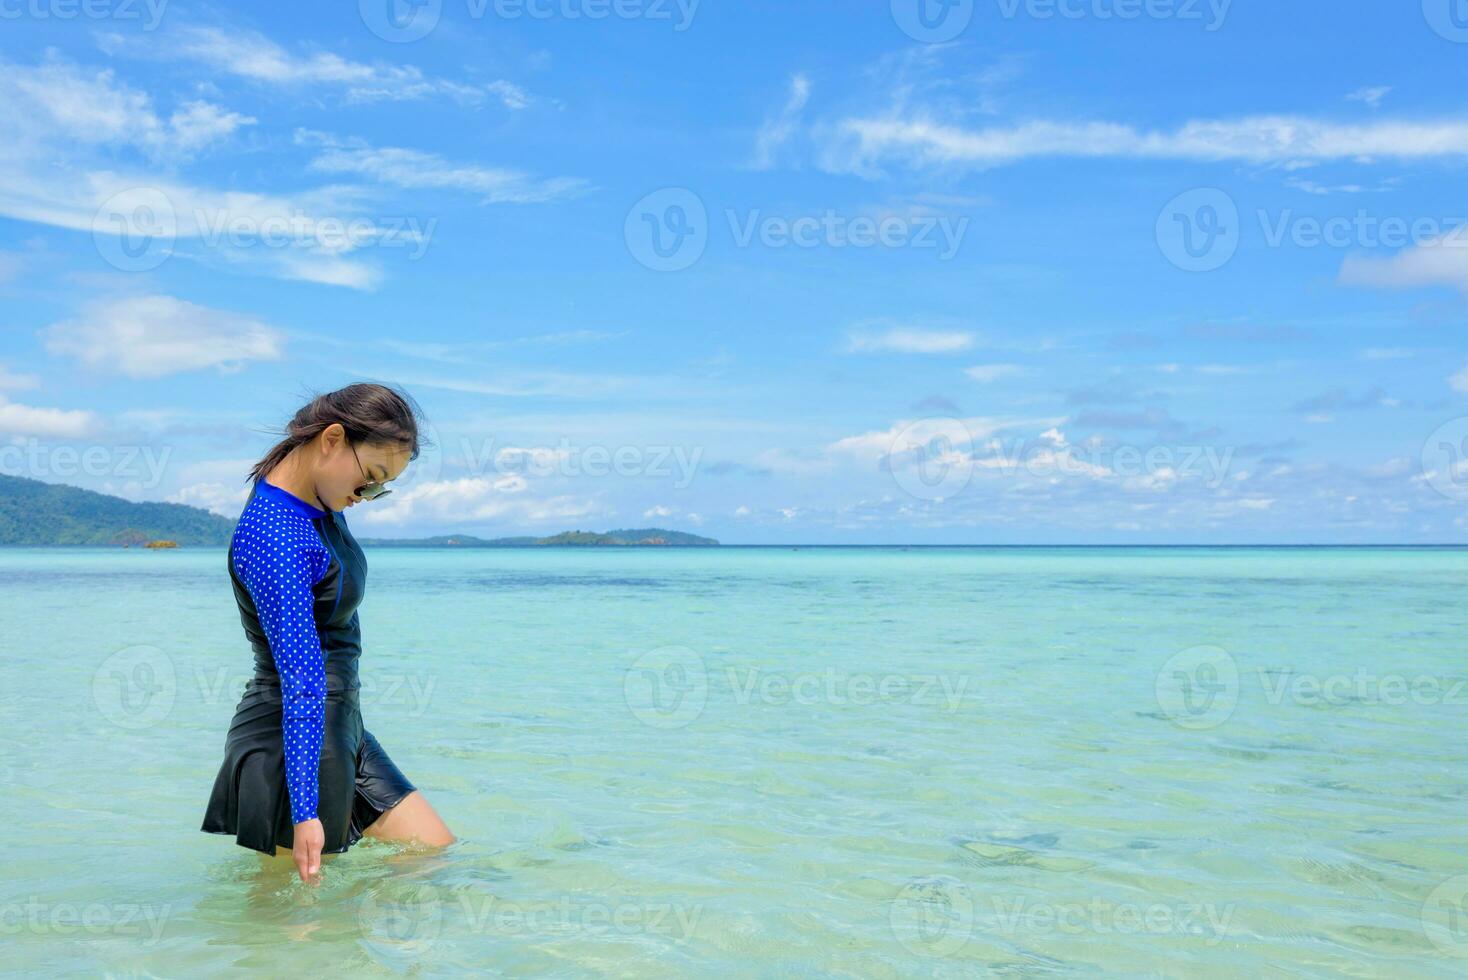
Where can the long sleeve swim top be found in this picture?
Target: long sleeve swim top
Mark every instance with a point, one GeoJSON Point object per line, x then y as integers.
{"type": "Point", "coordinates": [279, 557]}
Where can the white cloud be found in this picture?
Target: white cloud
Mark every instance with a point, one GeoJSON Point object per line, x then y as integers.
{"type": "Point", "coordinates": [56, 100]}
{"type": "Point", "coordinates": [1443, 262]}
{"type": "Point", "coordinates": [987, 373]}
{"type": "Point", "coordinates": [28, 420]}
{"type": "Point", "coordinates": [658, 511]}
{"type": "Point", "coordinates": [415, 169]}
{"type": "Point", "coordinates": [154, 336]}
{"type": "Point", "coordinates": [778, 130]}
{"type": "Point", "coordinates": [59, 143]}
{"type": "Point", "coordinates": [909, 435]}
{"type": "Point", "coordinates": [216, 497]}
{"type": "Point", "coordinates": [10, 381]}
{"type": "Point", "coordinates": [1459, 381]}
{"type": "Point", "coordinates": [470, 500]}
{"type": "Point", "coordinates": [861, 144]}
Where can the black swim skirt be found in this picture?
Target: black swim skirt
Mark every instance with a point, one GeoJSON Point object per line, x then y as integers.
{"type": "Point", "coordinates": [357, 782]}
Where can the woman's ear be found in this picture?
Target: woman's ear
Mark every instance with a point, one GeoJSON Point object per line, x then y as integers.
{"type": "Point", "coordinates": [332, 436]}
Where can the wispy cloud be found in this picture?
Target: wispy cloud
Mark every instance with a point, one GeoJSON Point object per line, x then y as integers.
{"type": "Point", "coordinates": [909, 340]}
{"type": "Point", "coordinates": [864, 144]}
{"type": "Point", "coordinates": [414, 169]}
{"type": "Point", "coordinates": [1341, 399]}
{"type": "Point", "coordinates": [252, 56]}
{"type": "Point", "coordinates": [1371, 95]}
{"type": "Point", "coordinates": [119, 148]}
{"type": "Point", "coordinates": [987, 373]}
{"type": "Point", "coordinates": [777, 130]}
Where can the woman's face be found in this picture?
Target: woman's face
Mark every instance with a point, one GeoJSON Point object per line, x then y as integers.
{"type": "Point", "coordinates": [338, 476]}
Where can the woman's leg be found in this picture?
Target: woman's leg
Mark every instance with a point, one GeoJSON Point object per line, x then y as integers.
{"type": "Point", "coordinates": [411, 819]}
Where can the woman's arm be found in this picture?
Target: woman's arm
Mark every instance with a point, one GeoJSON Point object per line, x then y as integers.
{"type": "Point", "coordinates": [279, 570]}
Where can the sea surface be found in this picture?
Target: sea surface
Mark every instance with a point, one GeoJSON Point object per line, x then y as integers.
{"type": "Point", "coordinates": [771, 762]}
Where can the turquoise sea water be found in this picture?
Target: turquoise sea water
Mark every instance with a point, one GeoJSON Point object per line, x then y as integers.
{"type": "Point", "coordinates": [772, 762]}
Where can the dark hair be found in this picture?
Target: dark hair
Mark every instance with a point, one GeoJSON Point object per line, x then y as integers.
{"type": "Point", "coordinates": [369, 412]}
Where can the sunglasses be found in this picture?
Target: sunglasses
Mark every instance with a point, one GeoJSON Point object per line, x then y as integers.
{"type": "Point", "coordinates": [372, 489]}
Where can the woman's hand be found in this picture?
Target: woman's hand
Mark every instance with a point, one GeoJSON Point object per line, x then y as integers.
{"type": "Point", "coordinates": [310, 837]}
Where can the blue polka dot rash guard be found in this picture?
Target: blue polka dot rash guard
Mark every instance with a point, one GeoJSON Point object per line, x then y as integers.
{"type": "Point", "coordinates": [279, 557]}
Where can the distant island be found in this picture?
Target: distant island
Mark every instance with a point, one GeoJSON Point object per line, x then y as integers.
{"type": "Point", "coordinates": [639, 537]}
{"type": "Point", "coordinates": [35, 513]}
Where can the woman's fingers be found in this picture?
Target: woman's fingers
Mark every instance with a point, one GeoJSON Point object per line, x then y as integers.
{"type": "Point", "coordinates": [310, 839]}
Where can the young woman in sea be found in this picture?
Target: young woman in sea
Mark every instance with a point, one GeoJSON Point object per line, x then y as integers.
{"type": "Point", "coordinates": [300, 771]}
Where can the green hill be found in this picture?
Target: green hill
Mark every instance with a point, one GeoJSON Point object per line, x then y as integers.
{"type": "Point", "coordinates": [33, 512]}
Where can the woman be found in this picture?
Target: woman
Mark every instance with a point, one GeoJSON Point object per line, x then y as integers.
{"type": "Point", "coordinates": [299, 770]}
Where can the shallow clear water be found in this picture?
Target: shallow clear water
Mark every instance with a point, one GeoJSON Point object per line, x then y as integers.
{"type": "Point", "coordinates": [771, 762]}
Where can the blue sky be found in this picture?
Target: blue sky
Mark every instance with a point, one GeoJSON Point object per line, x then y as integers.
{"type": "Point", "coordinates": [1097, 271]}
